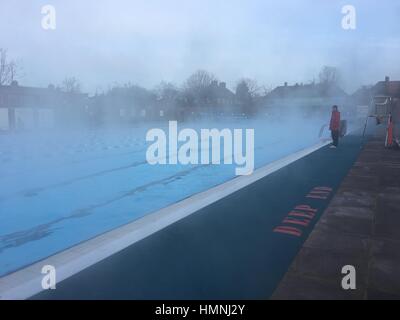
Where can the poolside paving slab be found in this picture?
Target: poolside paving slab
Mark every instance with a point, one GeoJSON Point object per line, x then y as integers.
{"type": "Point", "coordinates": [360, 227]}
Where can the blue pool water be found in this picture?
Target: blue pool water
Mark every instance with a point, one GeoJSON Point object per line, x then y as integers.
{"type": "Point", "coordinates": [59, 189]}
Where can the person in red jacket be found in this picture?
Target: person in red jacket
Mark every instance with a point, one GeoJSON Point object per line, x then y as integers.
{"type": "Point", "coordinates": [335, 126]}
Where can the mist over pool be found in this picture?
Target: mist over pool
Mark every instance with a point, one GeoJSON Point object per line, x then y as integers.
{"type": "Point", "coordinates": [69, 186]}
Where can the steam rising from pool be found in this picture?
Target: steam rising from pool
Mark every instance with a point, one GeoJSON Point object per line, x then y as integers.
{"type": "Point", "coordinates": [63, 187]}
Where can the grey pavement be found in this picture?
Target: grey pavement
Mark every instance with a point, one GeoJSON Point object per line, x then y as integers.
{"type": "Point", "coordinates": [360, 227]}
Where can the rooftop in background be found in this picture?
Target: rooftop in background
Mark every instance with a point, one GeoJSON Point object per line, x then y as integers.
{"type": "Point", "coordinates": [14, 96]}
{"type": "Point", "coordinates": [220, 90]}
{"type": "Point", "coordinates": [387, 88]}
{"type": "Point", "coordinates": [312, 90]}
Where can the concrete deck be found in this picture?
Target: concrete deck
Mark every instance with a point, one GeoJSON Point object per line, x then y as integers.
{"type": "Point", "coordinates": [360, 227]}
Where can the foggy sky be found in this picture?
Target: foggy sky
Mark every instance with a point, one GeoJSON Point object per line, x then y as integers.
{"type": "Point", "coordinates": [104, 42]}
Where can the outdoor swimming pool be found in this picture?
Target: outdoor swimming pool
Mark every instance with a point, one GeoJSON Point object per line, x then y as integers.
{"type": "Point", "coordinates": [59, 189]}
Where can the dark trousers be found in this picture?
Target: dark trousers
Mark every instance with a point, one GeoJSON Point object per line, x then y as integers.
{"type": "Point", "coordinates": [335, 137]}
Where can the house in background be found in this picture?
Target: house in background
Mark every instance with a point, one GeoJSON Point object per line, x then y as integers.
{"type": "Point", "coordinates": [305, 98]}
{"type": "Point", "coordinates": [378, 99]}
{"type": "Point", "coordinates": [388, 88]}
{"type": "Point", "coordinates": [39, 108]}
{"type": "Point", "coordinates": [214, 100]}
{"type": "Point", "coordinates": [125, 104]}
{"type": "Point", "coordinates": [221, 98]}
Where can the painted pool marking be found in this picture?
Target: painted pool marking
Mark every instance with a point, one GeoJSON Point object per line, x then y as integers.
{"type": "Point", "coordinates": [300, 218]}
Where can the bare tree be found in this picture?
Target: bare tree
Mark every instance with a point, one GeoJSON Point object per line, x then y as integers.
{"type": "Point", "coordinates": [71, 85]}
{"type": "Point", "coordinates": [329, 75]}
{"type": "Point", "coordinates": [250, 86]}
{"type": "Point", "coordinates": [199, 80]}
{"type": "Point", "coordinates": [265, 90]}
{"type": "Point", "coordinates": [247, 92]}
{"type": "Point", "coordinates": [166, 91]}
{"type": "Point", "coordinates": [8, 69]}
{"type": "Point", "coordinates": [197, 88]}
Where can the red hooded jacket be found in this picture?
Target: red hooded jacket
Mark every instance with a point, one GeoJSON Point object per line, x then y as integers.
{"type": "Point", "coordinates": [335, 121]}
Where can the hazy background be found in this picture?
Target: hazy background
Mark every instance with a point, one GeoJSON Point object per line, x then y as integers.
{"type": "Point", "coordinates": [66, 186]}
{"type": "Point", "coordinates": [145, 42]}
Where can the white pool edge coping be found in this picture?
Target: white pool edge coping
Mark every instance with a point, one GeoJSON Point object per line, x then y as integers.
{"type": "Point", "coordinates": [26, 282]}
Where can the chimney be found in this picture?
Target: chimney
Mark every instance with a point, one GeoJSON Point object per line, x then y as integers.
{"type": "Point", "coordinates": [387, 85]}
{"type": "Point", "coordinates": [286, 84]}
